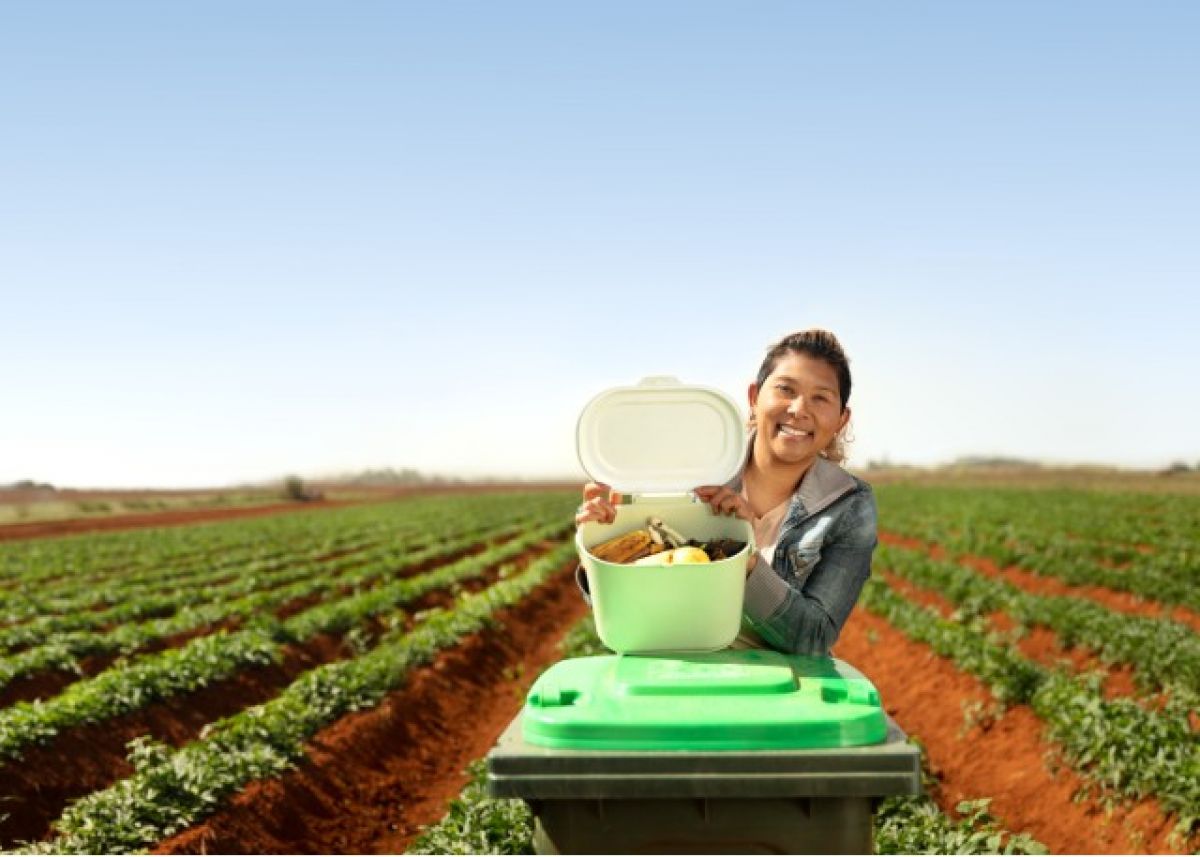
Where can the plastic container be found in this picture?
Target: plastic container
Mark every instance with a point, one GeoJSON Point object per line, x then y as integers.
{"type": "Point", "coordinates": [730, 752]}
{"type": "Point", "coordinates": [656, 441]}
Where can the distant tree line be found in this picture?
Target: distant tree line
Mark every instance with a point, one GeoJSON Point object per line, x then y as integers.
{"type": "Point", "coordinates": [984, 461]}
{"type": "Point", "coordinates": [28, 485]}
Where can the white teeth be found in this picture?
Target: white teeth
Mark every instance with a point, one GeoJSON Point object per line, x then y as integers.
{"type": "Point", "coordinates": [794, 432]}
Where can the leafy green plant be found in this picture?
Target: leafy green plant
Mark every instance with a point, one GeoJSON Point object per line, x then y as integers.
{"type": "Point", "coordinates": [1115, 744]}
{"type": "Point", "coordinates": [478, 824]}
{"type": "Point", "coordinates": [171, 789]}
{"type": "Point", "coordinates": [918, 826]}
{"type": "Point", "coordinates": [128, 687]}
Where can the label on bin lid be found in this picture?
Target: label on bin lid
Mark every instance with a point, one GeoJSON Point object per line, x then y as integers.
{"type": "Point", "coordinates": [661, 436]}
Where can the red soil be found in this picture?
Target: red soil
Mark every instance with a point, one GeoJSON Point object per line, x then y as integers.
{"type": "Point", "coordinates": [1040, 644]}
{"type": "Point", "coordinates": [918, 595]}
{"type": "Point", "coordinates": [83, 759]}
{"type": "Point", "coordinates": [1122, 602]}
{"type": "Point", "coordinates": [46, 684]}
{"type": "Point", "coordinates": [374, 778]}
{"type": "Point", "coordinates": [1002, 757]}
{"type": "Point", "coordinates": [86, 758]}
{"type": "Point", "coordinates": [41, 685]}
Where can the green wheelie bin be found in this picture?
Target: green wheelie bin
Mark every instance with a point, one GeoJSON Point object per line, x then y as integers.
{"type": "Point", "coordinates": [722, 752]}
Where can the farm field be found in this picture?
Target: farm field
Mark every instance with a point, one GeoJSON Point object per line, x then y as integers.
{"type": "Point", "coordinates": [328, 681]}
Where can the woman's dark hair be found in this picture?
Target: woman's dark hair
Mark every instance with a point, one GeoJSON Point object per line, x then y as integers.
{"type": "Point", "coordinates": [819, 344]}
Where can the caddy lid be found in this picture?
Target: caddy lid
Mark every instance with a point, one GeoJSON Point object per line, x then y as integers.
{"type": "Point", "coordinates": [660, 436]}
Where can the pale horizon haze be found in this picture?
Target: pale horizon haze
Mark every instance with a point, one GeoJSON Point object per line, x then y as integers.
{"type": "Point", "coordinates": [240, 240]}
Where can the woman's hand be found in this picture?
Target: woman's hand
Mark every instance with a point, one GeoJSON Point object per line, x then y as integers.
{"type": "Point", "coordinates": [599, 504]}
{"type": "Point", "coordinates": [725, 501]}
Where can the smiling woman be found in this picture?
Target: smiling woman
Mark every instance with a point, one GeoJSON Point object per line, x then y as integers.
{"type": "Point", "coordinates": [814, 523]}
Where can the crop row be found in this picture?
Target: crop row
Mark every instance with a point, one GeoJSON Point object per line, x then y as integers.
{"type": "Point", "coordinates": [171, 789]}
{"type": "Point", "coordinates": [1115, 527]}
{"type": "Point", "coordinates": [1165, 654]}
{"type": "Point", "coordinates": [1116, 744]}
{"type": "Point", "coordinates": [1032, 530]}
{"type": "Point", "coordinates": [126, 551]}
{"type": "Point", "coordinates": [263, 544]}
{"type": "Point", "coordinates": [117, 606]}
{"type": "Point", "coordinates": [87, 593]}
{"type": "Point", "coordinates": [260, 577]}
{"type": "Point", "coordinates": [62, 650]}
{"type": "Point", "coordinates": [130, 686]}
{"type": "Point", "coordinates": [423, 522]}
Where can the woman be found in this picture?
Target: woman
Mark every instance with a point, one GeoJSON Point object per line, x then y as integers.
{"type": "Point", "coordinates": [814, 523]}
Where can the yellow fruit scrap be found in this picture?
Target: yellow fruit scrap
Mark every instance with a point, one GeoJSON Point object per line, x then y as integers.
{"type": "Point", "coordinates": [678, 556]}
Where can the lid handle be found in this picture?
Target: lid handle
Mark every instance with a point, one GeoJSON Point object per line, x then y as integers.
{"type": "Point", "coordinates": [659, 381]}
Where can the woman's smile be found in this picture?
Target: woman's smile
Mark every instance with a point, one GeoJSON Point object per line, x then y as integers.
{"type": "Point", "coordinates": [793, 433]}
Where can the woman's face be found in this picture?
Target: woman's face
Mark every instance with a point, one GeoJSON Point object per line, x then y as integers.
{"type": "Point", "coordinates": [798, 410]}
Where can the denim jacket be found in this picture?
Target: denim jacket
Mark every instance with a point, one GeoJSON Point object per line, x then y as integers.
{"type": "Point", "coordinates": [800, 601]}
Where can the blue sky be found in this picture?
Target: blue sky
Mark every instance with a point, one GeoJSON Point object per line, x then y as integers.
{"type": "Point", "coordinates": [244, 239]}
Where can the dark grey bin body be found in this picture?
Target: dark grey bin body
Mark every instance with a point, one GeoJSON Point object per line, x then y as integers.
{"type": "Point", "coordinates": [759, 802]}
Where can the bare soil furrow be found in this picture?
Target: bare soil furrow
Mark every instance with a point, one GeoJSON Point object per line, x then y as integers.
{"type": "Point", "coordinates": [90, 757]}
{"type": "Point", "coordinates": [46, 684]}
{"type": "Point", "coordinates": [1040, 644]}
{"type": "Point", "coordinates": [374, 778]}
{"type": "Point", "coordinates": [975, 753]}
{"type": "Point", "coordinates": [1122, 602]}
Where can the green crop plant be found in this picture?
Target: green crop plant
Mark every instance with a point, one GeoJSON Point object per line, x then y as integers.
{"type": "Point", "coordinates": [171, 789]}
{"type": "Point", "coordinates": [209, 659]}
{"type": "Point", "coordinates": [1144, 544]}
{"type": "Point", "coordinates": [1165, 654]}
{"type": "Point", "coordinates": [1115, 744]}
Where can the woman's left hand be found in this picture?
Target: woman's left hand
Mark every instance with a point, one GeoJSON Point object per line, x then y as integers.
{"type": "Point", "coordinates": [725, 501]}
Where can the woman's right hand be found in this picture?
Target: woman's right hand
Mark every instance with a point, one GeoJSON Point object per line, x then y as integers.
{"type": "Point", "coordinates": [599, 504]}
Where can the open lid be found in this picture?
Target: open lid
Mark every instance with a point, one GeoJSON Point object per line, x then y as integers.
{"type": "Point", "coordinates": [661, 437]}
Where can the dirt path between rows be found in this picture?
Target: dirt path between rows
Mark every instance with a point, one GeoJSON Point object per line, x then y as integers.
{"type": "Point", "coordinates": [374, 778]}
{"type": "Point", "coordinates": [1113, 599]}
{"type": "Point", "coordinates": [1004, 758]}
{"type": "Point", "coordinates": [1040, 644]}
{"type": "Point", "coordinates": [89, 757]}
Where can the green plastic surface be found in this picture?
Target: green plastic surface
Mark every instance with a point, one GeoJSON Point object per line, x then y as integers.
{"type": "Point", "coordinates": [727, 700]}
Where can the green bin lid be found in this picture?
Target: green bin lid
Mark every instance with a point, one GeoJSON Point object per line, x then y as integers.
{"type": "Point", "coordinates": [727, 700]}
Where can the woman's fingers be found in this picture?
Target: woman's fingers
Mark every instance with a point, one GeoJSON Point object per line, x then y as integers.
{"type": "Point", "coordinates": [597, 509]}
{"type": "Point", "coordinates": [592, 490]}
{"type": "Point", "coordinates": [599, 504]}
{"type": "Point", "coordinates": [735, 507]}
{"type": "Point", "coordinates": [723, 501]}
